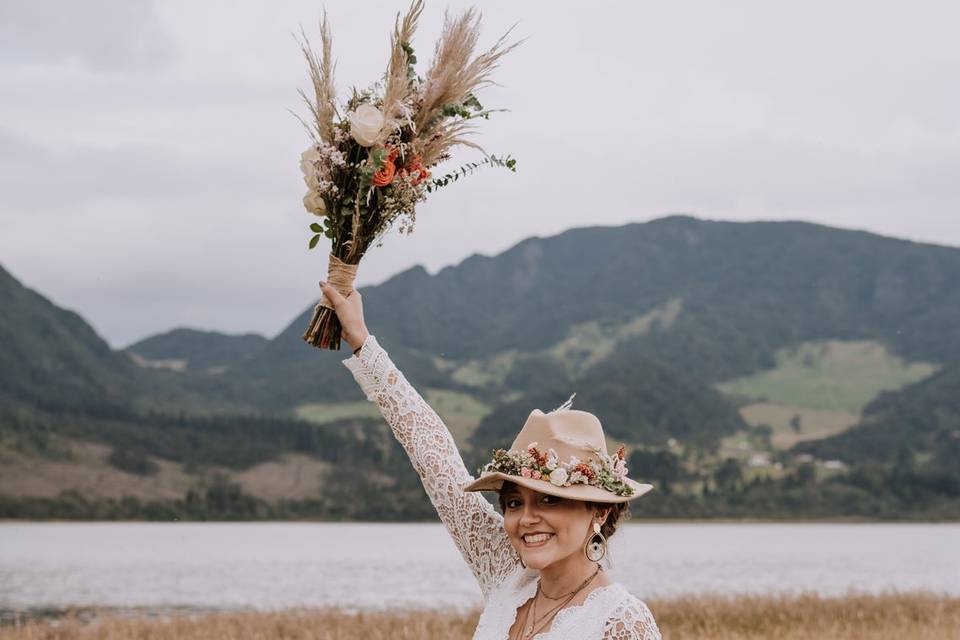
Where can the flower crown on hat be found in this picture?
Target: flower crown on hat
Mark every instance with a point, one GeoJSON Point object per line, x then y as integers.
{"type": "Point", "coordinates": [607, 472]}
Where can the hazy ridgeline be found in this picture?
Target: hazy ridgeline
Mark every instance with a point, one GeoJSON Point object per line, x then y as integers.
{"type": "Point", "coordinates": [918, 616]}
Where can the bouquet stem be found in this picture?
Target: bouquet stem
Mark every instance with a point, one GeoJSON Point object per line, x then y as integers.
{"type": "Point", "coordinates": [325, 329]}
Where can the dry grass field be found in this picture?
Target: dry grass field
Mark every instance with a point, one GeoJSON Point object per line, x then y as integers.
{"type": "Point", "coordinates": [917, 616]}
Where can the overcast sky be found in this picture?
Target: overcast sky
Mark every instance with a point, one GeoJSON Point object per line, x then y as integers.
{"type": "Point", "coordinates": [148, 161]}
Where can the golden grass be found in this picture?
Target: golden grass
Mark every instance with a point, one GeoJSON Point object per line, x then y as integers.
{"type": "Point", "coordinates": [814, 423]}
{"type": "Point", "coordinates": [805, 617]}
{"type": "Point", "coordinates": [918, 616]}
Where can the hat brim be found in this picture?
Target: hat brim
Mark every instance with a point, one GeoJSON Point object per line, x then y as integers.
{"type": "Point", "coordinates": [493, 481]}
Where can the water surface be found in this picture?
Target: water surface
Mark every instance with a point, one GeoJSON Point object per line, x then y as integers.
{"type": "Point", "coordinates": [274, 565]}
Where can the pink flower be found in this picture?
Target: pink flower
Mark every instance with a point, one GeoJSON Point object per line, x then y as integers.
{"type": "Point", "coordinates": [525, 472]}
{"type": "Point", "coordinates": [620, 469]}
{"type": "Point", "coordinates": [536, 475]}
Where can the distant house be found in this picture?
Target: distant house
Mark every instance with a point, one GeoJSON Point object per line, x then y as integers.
{"type": "Point", "coordinates": [759, 460]}
{"type": "Point", "coordinates": [836, 465]}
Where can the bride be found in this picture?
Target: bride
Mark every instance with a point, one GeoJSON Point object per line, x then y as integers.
{"type": "Point", "coordinates": [561, 496]}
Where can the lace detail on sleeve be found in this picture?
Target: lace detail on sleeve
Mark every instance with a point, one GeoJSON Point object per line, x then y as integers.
{"type": "Point", "coordinates": [633, 621]}
{"type": "Point", "coordinates": [473, 523]}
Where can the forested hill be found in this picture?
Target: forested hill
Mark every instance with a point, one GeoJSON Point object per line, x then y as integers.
{"type": "Point", "coordinates": [721, 297]}
{"type": "Point", "coordinates": [51, 357]}
{"type": "Point", "coordinates": [205, 351]}
{"type": "Point", "coordinates": [768, 368]}
{"type": "Point", "coordinates": [749, 286]}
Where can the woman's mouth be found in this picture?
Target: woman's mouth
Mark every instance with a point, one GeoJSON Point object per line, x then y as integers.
{"type": "Point", "coordinates": [536, 539]}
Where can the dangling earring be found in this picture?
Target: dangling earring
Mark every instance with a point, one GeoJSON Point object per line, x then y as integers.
{"type": "Point", "coordinates": [595, 549]}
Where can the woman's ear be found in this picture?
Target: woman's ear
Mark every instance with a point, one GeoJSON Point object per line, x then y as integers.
{"type": "Point", "coordinates": [603, 513]}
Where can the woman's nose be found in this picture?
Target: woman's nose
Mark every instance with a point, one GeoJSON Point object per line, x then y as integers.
{"type": "Point", "coordinates": [529, 514]}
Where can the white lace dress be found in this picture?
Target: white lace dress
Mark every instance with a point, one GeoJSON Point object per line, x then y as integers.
{"type": "Point", "coordinates": [608, 613]}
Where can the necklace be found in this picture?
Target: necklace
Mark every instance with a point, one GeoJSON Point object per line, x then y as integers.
{"type": "Point", "coordinates": [537, 625]}
{"type": "Point", "coordinates": [544, 593]}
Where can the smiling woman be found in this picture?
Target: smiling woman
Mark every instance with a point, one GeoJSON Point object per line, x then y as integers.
{"type": "Point", "coordinates": [561, 497]}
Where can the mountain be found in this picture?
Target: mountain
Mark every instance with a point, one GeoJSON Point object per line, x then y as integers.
{"type": "Point", "coordinates": [745, 287]}
{"type": "Point", "coordinates": [51, 358]}
{"type": "Point", "coordinates": [742, 290]}
{"type": "Point", "coordinates": [206, 351]}
{"type": "Point", "coordinates": [783, 369]}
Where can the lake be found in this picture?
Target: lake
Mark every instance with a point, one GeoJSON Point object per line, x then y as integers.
{"type": "Point", "coordinates": [373, 566]}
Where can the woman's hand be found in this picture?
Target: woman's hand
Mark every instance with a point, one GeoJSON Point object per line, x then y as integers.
{"type": "Point", "coordinates": [350, 313]}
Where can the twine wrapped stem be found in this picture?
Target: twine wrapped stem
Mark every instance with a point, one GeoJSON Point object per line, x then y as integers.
{"type": "Point", "coordinates": [324, 330]}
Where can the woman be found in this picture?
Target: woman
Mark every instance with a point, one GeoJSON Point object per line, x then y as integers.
{"type": "Point", "coordinates": [538, 563]}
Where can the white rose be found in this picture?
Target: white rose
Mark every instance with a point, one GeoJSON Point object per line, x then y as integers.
{"type": "Point", "coordinates": [307, 160]}
{"type": "Point", "coordinates": [312, 181]}
{"type": "Point", "coordinates": [314, 203]}
{"type": "Point", "coordinates": [558, 476]}
{"type": "Point", "coordinates": [551, 460]}
{"type": "Point", "coordinates": [365, 124]}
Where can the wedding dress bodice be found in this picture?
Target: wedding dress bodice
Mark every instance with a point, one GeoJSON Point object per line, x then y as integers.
{"type": "Point", "coordinates": [608, 613]}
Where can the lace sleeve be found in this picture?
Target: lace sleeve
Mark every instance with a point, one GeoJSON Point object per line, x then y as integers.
{"type": "Point", "coordinates": [473, 523]}
{"type": "Point", "coordinates": [633, 621]}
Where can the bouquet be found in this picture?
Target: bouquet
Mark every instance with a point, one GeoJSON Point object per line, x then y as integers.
{"type": "Point", "coordinates": [367, 169]}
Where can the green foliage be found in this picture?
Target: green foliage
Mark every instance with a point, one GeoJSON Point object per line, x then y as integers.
{"type": "Point", "coordinates": [748, 291]}
{"type": "Point", "coordinates": [411, 60]}
{"type": "Point", "coordinates": [729, 475]}
{"type": "Point", "coordinates": [508, 162]}
{"type": "Point", "coordinates": [870, 492]}
{"type": "Point", "coordinates": [132, 461]}
{"type": "Point", "coordinates": [923, 417]}
{"type": "Point", "coordinates": [829, 375]}
{"type": "Point", "coordinates": [202, 351]}
{"type": "Point", "coordinates": [21, 431]}
{"type": "Point", "coordinates": [469, 108]}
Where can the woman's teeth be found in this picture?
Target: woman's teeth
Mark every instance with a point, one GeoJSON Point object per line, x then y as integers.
{"type": "Point", "coordinates": [536, 539]}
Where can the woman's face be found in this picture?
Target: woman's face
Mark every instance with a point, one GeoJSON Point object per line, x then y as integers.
{"type": "Point", "coordinates": [544, 528]}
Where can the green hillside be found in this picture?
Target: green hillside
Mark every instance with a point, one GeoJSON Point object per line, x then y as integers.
{"type": "Point", "coordinates": [830, 374]}
{"type": "Point", "coordinates": [915, 426]}
{"type": "Point", "coordinates": [753, 369]}
{"type": "Point", "coordinates": [50, 357]}
{"type": "Point", "coordinates": [209, 352]}
{"type": "Point", "coordinates": [715, 299]}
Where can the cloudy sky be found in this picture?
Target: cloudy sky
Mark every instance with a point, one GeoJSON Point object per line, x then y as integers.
{"type": "Point", "coordinates": [148, 160]}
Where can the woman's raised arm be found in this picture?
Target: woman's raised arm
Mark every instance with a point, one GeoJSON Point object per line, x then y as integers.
{"type": "Point", "coordinates": [473, 523]}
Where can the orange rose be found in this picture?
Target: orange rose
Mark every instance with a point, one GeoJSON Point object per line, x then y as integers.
{"type": "Point", "coordinates": [416, 166]}
{"type": "Point", "coordinates": [422, 175]}
{"type": "Point", "coordinates": [384, 176]}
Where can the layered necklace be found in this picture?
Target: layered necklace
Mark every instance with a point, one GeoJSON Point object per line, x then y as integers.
{"type": "Point", "coordinates": [536, 625]}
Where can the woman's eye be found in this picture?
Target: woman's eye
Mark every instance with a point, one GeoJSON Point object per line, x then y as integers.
{"type": "Point", "coordinates": [512, 504]}
{"type": "Point", "coordinates": [551, 499]}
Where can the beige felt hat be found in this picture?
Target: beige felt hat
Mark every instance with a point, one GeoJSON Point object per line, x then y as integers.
{"type": "Point", "coordinates": [553, 443]}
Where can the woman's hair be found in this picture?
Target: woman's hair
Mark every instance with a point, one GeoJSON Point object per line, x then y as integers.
{"type": "Point", "coordinates": [618, 510]}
